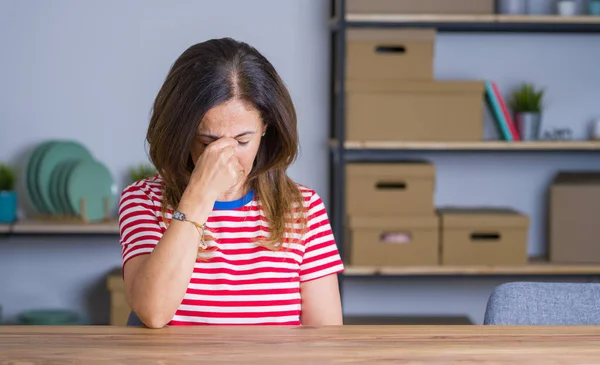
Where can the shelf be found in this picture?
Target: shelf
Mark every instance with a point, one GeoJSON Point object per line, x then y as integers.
{"type": "Point", "coordinates": [473, 146]}
{"type": "Point", "coordinates": [536, 267]}
{"type": "Point", "coordinates": [352, 19]}
{"type": "Point", "coordinates": [62, 228]}
{"type": "Point", "coordinates": [4, 228]}
{"type": "Point", "coordinates": [480, 23]}
{"type": "Point", "coordinates": [545, 19]}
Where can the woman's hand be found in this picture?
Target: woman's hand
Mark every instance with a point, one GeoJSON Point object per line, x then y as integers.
{"type": "Point", "coordinates": [216, 171]}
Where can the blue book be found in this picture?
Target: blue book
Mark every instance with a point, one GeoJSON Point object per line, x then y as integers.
{"type": "Point", "coordinates": [496, 110]}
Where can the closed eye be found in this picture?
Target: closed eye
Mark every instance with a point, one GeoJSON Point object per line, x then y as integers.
{"type": "Point", "coordinates": [204, 144]}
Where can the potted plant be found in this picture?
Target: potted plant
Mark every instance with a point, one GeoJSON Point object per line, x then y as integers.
{"type": "Point", "coordinates": [141, 171]}
{"type": "Point", "coordinates": [526, 104]}
{"type": "Point", "coordinates": [594, 7]}
{"type": "Point", "coordinates": [8, 194]}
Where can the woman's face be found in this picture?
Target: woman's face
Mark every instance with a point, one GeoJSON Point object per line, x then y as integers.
{"type": "Point", "coordinates": [235, 119]}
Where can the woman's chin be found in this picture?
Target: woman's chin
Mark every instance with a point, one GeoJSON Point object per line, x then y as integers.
{"type": "Point", "coordinates": [235, 192]}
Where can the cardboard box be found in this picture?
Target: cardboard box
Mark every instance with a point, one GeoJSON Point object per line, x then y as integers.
{"type": "Point", "coordinates": [399, 54]}
{"type": "Point", "coordinates": [119, 309]}
{"type": "Point", "coordinates": [485, 236]}
{"type": "Point", "coordinates": [573, 218]}
{"type": "Point", "coordinates": [482, 7]}
{"type": "Point", "coordinates": [388, 110]}
{"type": "Point", "coordinates": [393, 241]}
{"type": "Point", "coordinates": [385, 189]}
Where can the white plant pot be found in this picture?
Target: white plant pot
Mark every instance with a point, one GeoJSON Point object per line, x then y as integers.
{"type": "Point", "coordinates": [567, 8]}
{"type": "Point", "coordinates": [595, 130]}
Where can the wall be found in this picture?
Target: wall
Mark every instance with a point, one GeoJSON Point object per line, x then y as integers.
{"type": "Point", "coordinates": [90, 71]}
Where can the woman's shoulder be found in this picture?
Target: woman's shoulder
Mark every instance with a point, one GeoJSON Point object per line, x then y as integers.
{"type": "Point", "coordinates": [311, 197]}
{"type": "Point", "coordinates": [147, 188]}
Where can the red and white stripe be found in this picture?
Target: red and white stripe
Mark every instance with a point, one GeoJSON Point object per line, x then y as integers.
{"type": "Point", "coordinates": [240, 283]}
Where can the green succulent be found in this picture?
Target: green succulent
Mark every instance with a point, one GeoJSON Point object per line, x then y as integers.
{"type": "Point", "coordinates": [7, 178]}
{"type": "Point", "coordinates": [141, 171]}
{"type": "Point", "coordinates": [527, 99]}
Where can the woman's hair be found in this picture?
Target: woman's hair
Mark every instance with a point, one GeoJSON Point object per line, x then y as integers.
{"type": "Point", "coordinates": [204, 76]}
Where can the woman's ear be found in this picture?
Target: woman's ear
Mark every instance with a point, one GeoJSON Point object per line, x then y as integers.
{"type": "Point", "coordinates": [264, 130]}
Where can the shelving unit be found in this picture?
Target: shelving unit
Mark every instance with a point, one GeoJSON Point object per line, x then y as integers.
{"type": "Point", "coordinates": [343, 151]}
{"type": "Point", "coordinates": [477, 23]}
{"type": "Point", "coordinates": [535, 268]}
{"type": "Point", "coordinates": [38, 227]}
{"type": "Point", "coordinates": [472, 146]}
{"type": "Point", "coordinates": [4, 228]}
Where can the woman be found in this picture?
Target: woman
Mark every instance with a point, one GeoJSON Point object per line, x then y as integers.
{"type": "Point", "coordinates": [222, 235]}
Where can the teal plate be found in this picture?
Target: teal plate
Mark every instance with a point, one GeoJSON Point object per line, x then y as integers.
{"type": "Point", "coordinates": [57, 189]}
{"type": "Point", "coordinates": [53, 156]}
{"type": "Point", "coordinates": [63, 193]}
{"type": "Point", "coordinates": [24, 178]}
{"type": "Point", "coordinates": [92, 181]}
{"type": "Point", "coordinates": [49, 317]}
{"type": "Point", "coordinates": [31, 177]}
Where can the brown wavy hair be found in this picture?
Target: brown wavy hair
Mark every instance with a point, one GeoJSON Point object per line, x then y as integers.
{"type": "Point", "coordinates": [204, 76]}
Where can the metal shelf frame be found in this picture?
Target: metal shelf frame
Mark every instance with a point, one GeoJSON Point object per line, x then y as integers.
{"type": "Point", "coordinates": [339, 153]}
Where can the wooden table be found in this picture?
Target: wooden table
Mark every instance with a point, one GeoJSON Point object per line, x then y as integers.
{"type": "Point", "coordinates": [301, 345]}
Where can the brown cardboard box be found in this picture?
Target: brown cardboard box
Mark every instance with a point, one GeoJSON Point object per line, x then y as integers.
{"type": "Point", "coordinates": [384, 189]}
{"type": "Point", "coordinates": [119, 309]}
{"type": "Point", "coordinates": [574, 215]}
{"type": "Point", "coordinates": [393, 241]}
{"type": "Point", "coordinates": [420, 6]}
{"type": "Point", "coordinates": [388, 110]}
{"type": "Point", "coordinates": [390, 54]}
{"type": "Point", "coordinates": [483, 236]}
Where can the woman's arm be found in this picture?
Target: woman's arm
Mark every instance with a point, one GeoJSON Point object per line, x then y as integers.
{"type": "Point", "coordinates": [321, 262]}
{"type": "Point", "coordinates": [155, 283]}
{"type": "Point", "coordinates": [321, 304]}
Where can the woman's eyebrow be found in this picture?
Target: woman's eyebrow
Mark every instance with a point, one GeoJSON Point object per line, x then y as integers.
{"type": "Point", "coordinates": [217, 137]}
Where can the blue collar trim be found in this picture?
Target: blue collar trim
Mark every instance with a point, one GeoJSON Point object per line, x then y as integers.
{"type": "Point", "coordinates": [234, 204]}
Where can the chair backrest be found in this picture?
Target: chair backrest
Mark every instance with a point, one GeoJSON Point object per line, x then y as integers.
{"type": "Point", "coordinates": [526, 303]}
{"type": "Point", "coordinates": [134, 320]}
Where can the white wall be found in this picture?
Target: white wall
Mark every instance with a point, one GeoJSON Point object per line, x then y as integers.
{"type": "Point", "coordinates": [90, 70]}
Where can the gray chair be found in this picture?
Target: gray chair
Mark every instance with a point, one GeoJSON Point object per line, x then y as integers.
{"type": "Point", "coordinates": [134, 320]}
{"type": "Point", "coordinates": [527, 303]}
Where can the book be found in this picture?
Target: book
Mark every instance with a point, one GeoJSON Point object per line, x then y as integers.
{"type": "Point", "coordinates": [496, 111]}
{"type": "Point", "coordinates": [507, 117]}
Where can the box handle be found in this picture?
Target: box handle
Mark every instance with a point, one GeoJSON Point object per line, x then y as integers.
{"type": "Point", "coordinates": [389, 185]}
{"type": "Point", "coordinates": [383, 49]}
{"type": "Point", "coordinates": [395, 237]}
{"type": "Point", "coordinates": [485, 236]}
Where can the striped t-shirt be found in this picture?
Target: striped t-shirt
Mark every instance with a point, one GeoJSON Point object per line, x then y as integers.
{"type": "Point", "coordinates": [240, 282]}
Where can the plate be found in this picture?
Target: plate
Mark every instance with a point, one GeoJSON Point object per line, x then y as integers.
{"type": "Point", "coordinates": [31, 177]}
{"type": "Point", "coordinates": [57, 189]}
{"type": "Point", "coordinates": [49, 317]}
{"type": "Point", "coordinates": [92, 181]}
{"type": "Point", "coordinates": [62, 184]}
{"type": "Point", "coordinates": [55, 154]}
{"type": "Point", "coordinates": [54, 188]}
